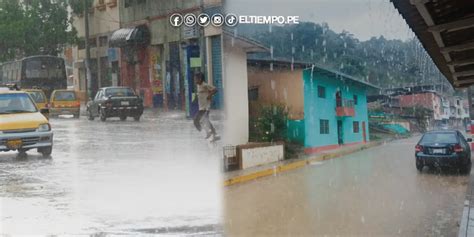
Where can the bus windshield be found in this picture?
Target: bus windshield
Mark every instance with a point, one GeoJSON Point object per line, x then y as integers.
{"type": "Point", "coordinates": [44, 68]}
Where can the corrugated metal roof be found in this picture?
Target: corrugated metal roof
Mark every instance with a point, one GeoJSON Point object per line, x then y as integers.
{"type": "Point", "coordinates": [446, 30]}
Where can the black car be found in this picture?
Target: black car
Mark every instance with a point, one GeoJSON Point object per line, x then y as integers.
{"type": "Point", "coordinates": [443, 148]}
{"type": "Point", "coordinates": [119, 102]}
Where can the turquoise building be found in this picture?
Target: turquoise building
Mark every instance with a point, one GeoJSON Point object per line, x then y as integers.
{"type": "Point", "coordinates": [335, 111]}
{"type": "Point", "coordinates": [326, 108]}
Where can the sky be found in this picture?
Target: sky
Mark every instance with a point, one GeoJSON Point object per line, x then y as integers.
{"type": "Point", "coordinates": [363, 18]}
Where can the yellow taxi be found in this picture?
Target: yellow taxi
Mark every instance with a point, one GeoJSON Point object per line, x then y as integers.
{"type": "Point", "coordinates": [64, 102]}
{"type": "Point", "coordinates": [39, 98]}
{"type": "Point", "coordinates": [22, 125]}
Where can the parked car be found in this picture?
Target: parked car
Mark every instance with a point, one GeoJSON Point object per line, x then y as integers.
{"type": "Point", "coordinates": [23, 126]}
{"type": "Point", "coordinates": [65, 102]}
{"type": "Point", "coordinates": [443, 148]}
{"type": "Point", "coordinates": [445, 126]}
{"type": "Point", "coordinates": [119, 102]}
{"type": "Point", "coordinates": [38, 97]}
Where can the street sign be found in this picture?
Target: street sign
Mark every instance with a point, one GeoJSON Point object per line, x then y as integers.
{"type": "Point", "coordinates": [112, 54]}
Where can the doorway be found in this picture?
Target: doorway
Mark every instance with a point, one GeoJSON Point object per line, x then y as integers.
{"type": "Point", "coordinates": [340, 134]}
{"type": "Point", "coordinates": [364, 133]}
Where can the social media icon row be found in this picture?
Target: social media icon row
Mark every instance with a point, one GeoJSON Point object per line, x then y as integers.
{"type": "Point", "coordinates": [203, 20]}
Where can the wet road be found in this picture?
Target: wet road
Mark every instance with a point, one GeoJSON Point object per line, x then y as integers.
{"type": "Point", "coordinates": [375, 192]}
{"type": "Point", "coordinates": [158, 175]}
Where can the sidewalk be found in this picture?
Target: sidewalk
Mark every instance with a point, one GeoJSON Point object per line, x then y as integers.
{"type": "Point", "coordinates": [466, 227]}
{"type": "Point", "coordinates": [241, 176]}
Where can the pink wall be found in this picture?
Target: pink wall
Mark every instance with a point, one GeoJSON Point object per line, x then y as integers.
{"type": "Point", "coordinates": [426, 100]}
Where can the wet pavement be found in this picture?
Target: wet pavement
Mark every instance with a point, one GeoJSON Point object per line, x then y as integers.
{"type": "Point", "coordinates": [158, 175]}
{"type": "Point", "coordinates": [374, 192]}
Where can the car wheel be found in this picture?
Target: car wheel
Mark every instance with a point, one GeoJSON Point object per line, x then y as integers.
{"type": "Point", "coordinates": [46, 151]}
{"type": "Point", "coordinates": [466, 168]}
{"type": "Point", "coordinates": [102, 115]}
{"type": "Point", "coordinates": [419, 166]}
{"type": "Point", "coordinates": [137, 118]}
{"type": "Point", "coordinates": [90, 116]}
{"type": "Point", "coordinates": [123, 118]}
{"type": "Point", "coordinates": [22, 151]}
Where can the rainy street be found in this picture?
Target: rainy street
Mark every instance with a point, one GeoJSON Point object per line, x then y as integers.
{"type": "Point", "coordinates": [154, 176]}
{"type": "Point", "coordinates": [375, 192]}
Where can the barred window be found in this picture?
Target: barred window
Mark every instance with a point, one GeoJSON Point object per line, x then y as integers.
{"type": "Point", "coordinates": [356, 126]}
{"type": "Point", "coordinates": [324, 126]}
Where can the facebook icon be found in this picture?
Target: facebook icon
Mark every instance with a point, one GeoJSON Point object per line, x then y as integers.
{"type": "Point", "coordinates": [176, 20]}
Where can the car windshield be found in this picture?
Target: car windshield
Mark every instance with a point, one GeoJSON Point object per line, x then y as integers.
{"type": "Point", "coordinates": [16, 103]}
{"type": "Point", "coordinates": [119, 92]}
{"type": "Point", "coordinates": [64, 96]}
{"type": "Point", "coordinates": [37, 96]}
{"type": "Point", "coordinates": [439, 138]}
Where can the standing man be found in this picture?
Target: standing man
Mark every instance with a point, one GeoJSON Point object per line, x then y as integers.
{"type": "Point", "coordinates": [204, 94]}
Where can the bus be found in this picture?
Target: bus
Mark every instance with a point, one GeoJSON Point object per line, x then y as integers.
{"type": "Point", "coordinates": [35, 72]}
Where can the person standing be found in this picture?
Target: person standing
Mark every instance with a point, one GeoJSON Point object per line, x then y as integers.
{"type": "Point", "coordinates": [205, 92]}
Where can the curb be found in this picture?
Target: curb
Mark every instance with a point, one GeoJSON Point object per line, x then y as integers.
{"type": "Point", "coordinates": [296, 164]}
{"type": "Point", "coordinates": [465, 228]}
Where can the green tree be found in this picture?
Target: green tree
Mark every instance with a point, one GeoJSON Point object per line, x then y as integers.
{"type": "Point", "coordinates": [270, 124]}
{"type": "Point", "coordinates": [34, 27]}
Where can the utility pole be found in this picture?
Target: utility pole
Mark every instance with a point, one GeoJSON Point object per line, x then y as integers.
{"type": "Point", "coordinates": [88, 51]}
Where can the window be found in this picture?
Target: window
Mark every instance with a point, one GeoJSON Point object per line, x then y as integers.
{"type": "Point", "coordinates": [355, 126]}
{"type": "Point", "coordinates": [253, 94]}
{"type": "Point", "coordinates": [324, 126]}
{"type": "Point", "coordinates": [103, 41]}
{"type": "Point", "coordinates": [92, 43]}
{"type": "Point", "coordinates": [355, 100]}
{"type": "Point", "coordinates": [321, 92]}
{"type": "Point", "coordinates": [65, 96]}
{"type": "Point", "coordinates": [98, 95]}
{"type": "Point", "coordinates": [439, 138]}
{"type": "Point", "coordinates": [128, 3]}
{"type": "Point", "coordinates": [81, 44]}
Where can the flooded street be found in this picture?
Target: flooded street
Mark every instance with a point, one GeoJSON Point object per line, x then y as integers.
{"type": "Point", "coordinates": [158, 175]}
{"type": "Point", "coordinates": [375, 192]}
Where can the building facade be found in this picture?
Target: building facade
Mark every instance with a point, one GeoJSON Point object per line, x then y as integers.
{"type": "Point", "coordinates": [103, 21]}
{"type": "Point", "coordinates": [335, 110]}
{"type": "Point", "coordinates": [133, 44]}
{"type": "Point", "coordinates": [162, 66]}
{"type": "Point", "coordinates": [326, 108]}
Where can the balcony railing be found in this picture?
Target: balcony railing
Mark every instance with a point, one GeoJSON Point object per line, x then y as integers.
{"type": "Point", "coordinates": [345, 108]}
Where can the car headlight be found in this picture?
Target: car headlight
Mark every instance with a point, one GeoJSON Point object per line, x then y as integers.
{"type": "Point", "coordinates": [45, 127]}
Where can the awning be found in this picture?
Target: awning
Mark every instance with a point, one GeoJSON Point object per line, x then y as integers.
{"type": "Point", "coordinates": [138, 35]}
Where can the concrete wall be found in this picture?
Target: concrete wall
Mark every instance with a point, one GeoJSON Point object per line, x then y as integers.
{"type": "Point", "coordinates": [255, 156]}
{"type": "Point", "coordinates": [279, 86]}
{"type": "Point", "coordinates": [156, 15]}
{"type": "Point", "coordinates": [235, 95]}
{"type": "Point", "coordinates": [100, 22]}
{"type": "Point", "coordinates": [316, 108]}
